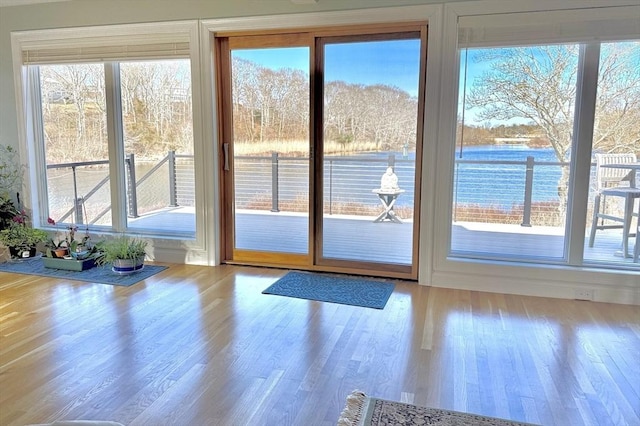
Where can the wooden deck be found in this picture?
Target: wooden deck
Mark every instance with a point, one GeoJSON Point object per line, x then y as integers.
{"type": "Point", "coordinates": [359, 238]}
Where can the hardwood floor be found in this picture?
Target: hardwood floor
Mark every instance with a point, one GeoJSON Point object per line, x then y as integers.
{"type": "Point", "coordinates": [202, 346]}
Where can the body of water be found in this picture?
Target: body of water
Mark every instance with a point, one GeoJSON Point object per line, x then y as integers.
{"type": "Point", "coordinates": [351, 179]}
{"type": "Point", "coordinates": [152, 194]}
{"type": "Point", "coordinates": [503, 185]}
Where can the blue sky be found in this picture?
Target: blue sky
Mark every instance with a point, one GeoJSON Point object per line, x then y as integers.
{"type": "Point", "coordinates": [394, 63]}
{"type": "Point", "coordinates": [474, 70]}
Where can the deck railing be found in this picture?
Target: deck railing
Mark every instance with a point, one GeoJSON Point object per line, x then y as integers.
{"type": "Point", "coordinates": [133, 185]}
{"type": "Point", "coordinates": [275, 179]}
{"type": "Point", "coordinates": [513, 187]}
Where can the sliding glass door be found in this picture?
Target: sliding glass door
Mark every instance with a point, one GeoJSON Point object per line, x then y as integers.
{"type": "Point", "coordinates": [268, 149]}
{"type": "Point", "coordinates": [370, 139]}
{"type": "Point", "coordinates": [321, 136]}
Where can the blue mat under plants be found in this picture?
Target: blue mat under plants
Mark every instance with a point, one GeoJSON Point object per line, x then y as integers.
{"type": "Point", "coordinates": [98, 274]}
{"type": "Point", "coordinates": [334, 289]}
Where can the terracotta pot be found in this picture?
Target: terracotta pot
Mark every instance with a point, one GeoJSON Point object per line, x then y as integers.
{"type": "Point", "coordinates": [60, 252]}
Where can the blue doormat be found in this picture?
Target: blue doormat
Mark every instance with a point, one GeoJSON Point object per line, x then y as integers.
{"type": "Point", "coordinates": [332, 288]}
{"type": "Point", "coordinates": [99, 274]}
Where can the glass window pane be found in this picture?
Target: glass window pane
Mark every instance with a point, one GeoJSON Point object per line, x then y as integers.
{"type": "Point", "coordinates": [369, 149]}
{"type": "Point", "coordinates": [515, 121]}
{"type": "Point", "coordinates": [615, 173]}
{"type": "Point", "coordinates": [158, 144]}
{"type": "Point", "coordinates": [270, 98]}
{"type": "Point", "coordinates": [75, 139]}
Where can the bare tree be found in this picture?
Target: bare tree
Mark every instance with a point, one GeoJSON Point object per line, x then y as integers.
{"type": "Point", "coordinates": [618, 103]}
{"type": "Point", "coordinates": [539, 84]}
{"type": "Point", "coordinates": [156, 106]}
{"type": "Point", "coordinates": [273, 105]}
{"type": "Point", "coordinates": [74, 129]}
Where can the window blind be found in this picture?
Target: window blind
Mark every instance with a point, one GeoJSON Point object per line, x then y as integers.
{"type": "Point", "coordinates": [105, 49]}
{"type": "Point", "coordinates": [548, 27]}
{"type": "Point", "coordinates": [163, 40]}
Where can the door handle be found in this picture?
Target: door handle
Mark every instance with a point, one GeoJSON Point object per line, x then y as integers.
{"type": "Point", "coordinates": [225, 148]}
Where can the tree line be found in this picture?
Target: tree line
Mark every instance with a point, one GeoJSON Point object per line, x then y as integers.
{"type": "Point", "coordinates": [155, 101]}
{"type": "Point", "coordinates": [268, 105]}
{"type": "Point", "coordinates": [534, 84]}
{"type": "Point", "coordinates": [273, 105]}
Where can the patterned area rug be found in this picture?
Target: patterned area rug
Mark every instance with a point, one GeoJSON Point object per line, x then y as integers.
{"type": "Point", "coordinates": [98, 274]}
{"type": "Point", "coordinates": [362, 410]}
{"type": "Point", "coordinates": [333, 288]}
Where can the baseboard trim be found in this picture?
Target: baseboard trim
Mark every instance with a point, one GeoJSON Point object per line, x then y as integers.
{"type": "Point", "coordinates": [537, 287]}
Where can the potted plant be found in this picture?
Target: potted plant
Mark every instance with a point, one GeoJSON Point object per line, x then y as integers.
{"type": "Point", "coordinates": [22, 240]}
{"type": "Point", "coordinates": [68, 245]}
{"type": "Point", "coordinates": [70, 253]}
{"type": "Point", "coordinates": [125, 254]}
{"type": "Point", "coordinates": [56, 250]}
{"type": "Point", "coordinates": [11, 172]}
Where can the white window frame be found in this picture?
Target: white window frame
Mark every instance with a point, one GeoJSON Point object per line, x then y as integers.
{"type": "Point", "coordinates": [509, 276]}
{"type": "Point", "coordinates": [198, 250]}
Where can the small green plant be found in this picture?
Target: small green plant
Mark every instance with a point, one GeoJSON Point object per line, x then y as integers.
{"type": "Point", "coordinates": [19, 235]}
{"type": "Point", "coordinates": [22, 237]}
{"type": "Point", "coordinates": [122, 247]}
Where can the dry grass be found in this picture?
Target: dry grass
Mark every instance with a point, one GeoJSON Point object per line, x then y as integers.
{"type": "Point", "coordinates": [542, 214]}
{"type": "Point", "coordinates": [301, 205]}
{"type": "Point", "coordinates": [299, 148]}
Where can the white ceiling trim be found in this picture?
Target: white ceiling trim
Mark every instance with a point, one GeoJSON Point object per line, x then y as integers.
{"type": "Point", "coordinates": [5, 3]}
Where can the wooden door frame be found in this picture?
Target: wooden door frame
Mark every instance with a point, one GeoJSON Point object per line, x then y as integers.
{"type": "Point", "coordinates": [406, 32]}
{"type": "Point", "coordinates": [223, 48]}
{"type": "Point", "coordinates": [282, 38]}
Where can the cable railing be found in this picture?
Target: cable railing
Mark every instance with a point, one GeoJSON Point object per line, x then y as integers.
{"type": "Point", "coordinates": [282, 183]}
{"type": "Point", "coordinates": [524, 192]}
{"type": "Point", "coordinates": [509, 191]}
{"type": "Point", "coordinates": [179, 186]}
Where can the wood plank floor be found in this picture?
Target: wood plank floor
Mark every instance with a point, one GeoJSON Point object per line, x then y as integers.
{"type": "Point", "coordinates": [202, 346]}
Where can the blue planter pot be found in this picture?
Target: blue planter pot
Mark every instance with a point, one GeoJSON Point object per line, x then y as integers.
{"type": "Point", "coordinates": [127, 266]}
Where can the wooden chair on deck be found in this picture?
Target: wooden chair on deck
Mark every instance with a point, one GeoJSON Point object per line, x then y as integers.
{"type": "Point", "coordinates": [610, 183]}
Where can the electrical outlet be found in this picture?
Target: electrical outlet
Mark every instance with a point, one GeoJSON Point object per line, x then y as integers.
{"type": "Point", "coordinates": [584, 294]}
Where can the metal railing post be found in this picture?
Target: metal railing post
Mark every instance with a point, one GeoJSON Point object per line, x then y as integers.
{"type": "Point", "coordinates": [79, 201]}
{"type": "Point", "coordinates": [528, 191]}
{"type": "Point", "coordinates": [274, 182]}
{"type": "Point", "coordinates": [173, 196]}
{"type": "Point", "coordinates": [331, 186]}
{"type": "Point", "coordinates": [131, 186]}
{"type": "Point", "coordinates": [392, 161]}
{"type": "Point", "coordinates": [78, 212]}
